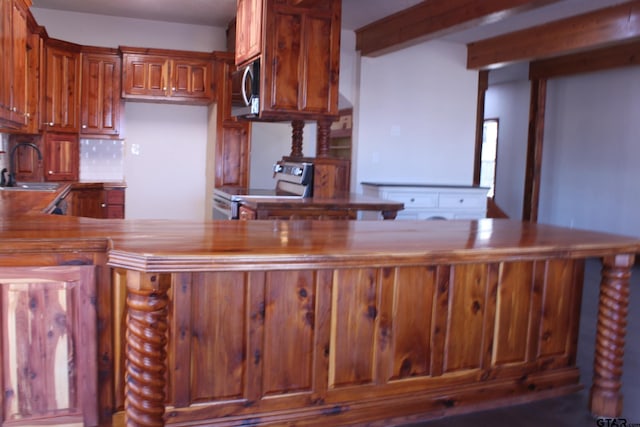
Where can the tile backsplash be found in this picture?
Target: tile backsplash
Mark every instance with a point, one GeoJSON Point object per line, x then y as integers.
{"type": "Point", "coordinates": [101, 160]}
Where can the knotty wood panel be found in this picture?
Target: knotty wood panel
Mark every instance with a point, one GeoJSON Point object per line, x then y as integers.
{"type": "Point", "coordinates": [512, 317]}
{"type": "Point", "coordinates": [48, 343]}
{"type": "Point", "coordinates": [289, 328]}
{"type": "Point", "coordinates": [465, 329]}
{"type": "Point", "coordinates": [318, 67]}
{"type": "Point", "coordinates": [284, 93]}
{"type": "Point", "coordinates": [354, 313]}
{"type": "Point", "coordinates": [218, 319]}
{"type": "Point", "coordinates": [414, 290]}
{"type": "Point", "coordinates": [557, 322]}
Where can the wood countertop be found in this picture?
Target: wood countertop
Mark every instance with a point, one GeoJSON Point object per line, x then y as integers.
{"type": "Point", "coordinates": [353, 201]}
{"type": "Point", "coordinates": [168, 245]}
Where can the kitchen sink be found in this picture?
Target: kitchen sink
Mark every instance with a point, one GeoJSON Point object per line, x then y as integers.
{"type": "Point", "coordinates": [33, 186]}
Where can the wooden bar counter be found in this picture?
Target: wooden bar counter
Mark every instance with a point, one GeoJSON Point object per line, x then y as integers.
{"type": "Point", "coordinates": [227, 323]}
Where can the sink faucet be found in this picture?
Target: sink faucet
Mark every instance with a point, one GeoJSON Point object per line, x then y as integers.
{"type": "Point", "coordinates": [12, 171]}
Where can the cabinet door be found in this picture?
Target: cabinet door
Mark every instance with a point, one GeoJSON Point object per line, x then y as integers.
{"type": "Point", "coordinates": [145, 75]}
{"type": "Point", "coordinates": [301, 61]}
{"type": "Point", "coordinates": [248, 30]}
{"type": "Point", "coordinates": [232, 154]}
{"type": "Point", "coordinates": [191, 79]}
{"type": "Point", "coordinates": [100, 100]}
{"type": "Point", "coordinates": [61, 100]}
{"type": "Point", "coordinates": [47, 334]}
{"type": "Point", "coordinates": [88, 203]}
{"type": "Point", "coordinates": [61, 157]}
{"type": "Point", "coordinates": [13, 70]}
{"type": "Point", "coordinates": [26, 161]}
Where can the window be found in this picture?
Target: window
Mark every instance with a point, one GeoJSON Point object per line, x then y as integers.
{"type": "Point", "coordinates": [489, 155]}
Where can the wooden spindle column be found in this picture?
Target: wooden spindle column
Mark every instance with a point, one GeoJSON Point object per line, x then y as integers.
{"type": "Point", "coordinates": [296, 138]}
{"type": "Point", "coordinates": [606, 398]}
{"type": "Point", "coordinates": [146, 354]}
{"type": "Point", "coordinates": [322, 146]}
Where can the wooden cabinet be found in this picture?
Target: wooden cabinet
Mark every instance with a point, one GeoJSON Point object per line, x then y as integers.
{"type": "Point", "coordinates": [233, 137]}
{"type": "Point", "coordinates": [49, 347]}
{"type": "Point", "coordinates": [100, 100]}
{"type": "Point", "coordinates": [300, 55]}
{"type": "Point", "coordinates": [61, 157]}
{"type": "Point", "coordinates": [27, 162]}
{"type": "Point", "coordinates": [248, 44]}
{"type": "Point", "coordinates": [166, 75]}
{"type": "Point", "coordinates": [433, 201]}
{"type": "Point", "coordinates": [96, 201]}
{"type": "Point", "coordinates": [61, 101]}
{"type": "Point", "coordinates": [14, 108]}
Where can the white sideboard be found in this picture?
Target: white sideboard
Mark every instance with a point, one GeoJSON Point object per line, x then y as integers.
{"type": "Point", "coordinates": [423, 201]}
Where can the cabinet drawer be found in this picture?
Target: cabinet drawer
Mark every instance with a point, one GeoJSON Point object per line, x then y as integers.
{"type": "Point", "coordinates": [413, 200]}
{"type": "Point", "coordinates": [461, 200]}
{"type": "Point", "coordinates": [115, 197]}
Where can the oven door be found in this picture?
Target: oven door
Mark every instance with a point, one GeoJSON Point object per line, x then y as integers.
{"type": "Point", "coordinates": [224, 208]}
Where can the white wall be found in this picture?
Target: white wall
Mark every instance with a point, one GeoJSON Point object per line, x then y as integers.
{"type": "Point", "coordinates": [167, 179]}
{"type": "Point", "coordinates": [416, 116]}
{"type": "Point", "coordinates": [590, 171]}
{"type": "Point", "coordinates": [509, 102]}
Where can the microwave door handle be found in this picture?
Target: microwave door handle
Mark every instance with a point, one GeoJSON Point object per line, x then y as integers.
{"type": "Point", "coordinates": [243, 87]}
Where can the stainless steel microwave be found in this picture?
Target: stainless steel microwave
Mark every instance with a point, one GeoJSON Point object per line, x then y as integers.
{"type": "Point", "coordinates": [245, 93]}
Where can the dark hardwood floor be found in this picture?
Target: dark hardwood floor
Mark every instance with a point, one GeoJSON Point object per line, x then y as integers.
{"type": "Point", "coordinates": [572, 410]}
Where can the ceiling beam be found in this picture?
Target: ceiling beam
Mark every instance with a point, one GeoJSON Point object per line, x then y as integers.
{"type": "Point", "coordinates": [600, 28]}
{"type": "Point", "coordinates": [605, 58]}
{"type": "Point", "coordinates": [435, 18]}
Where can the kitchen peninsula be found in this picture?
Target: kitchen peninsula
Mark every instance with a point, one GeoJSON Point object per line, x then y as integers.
{"type": "Point", "coordinates": [305, 322]}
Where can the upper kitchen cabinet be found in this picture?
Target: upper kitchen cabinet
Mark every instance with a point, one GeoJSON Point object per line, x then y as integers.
{"type": "Point", "coordinates": [61, 101]}
{"type": "Point", "coordinates": [159, 75]}
{"type": "Point", "coordinates": [248, 30]}
{"type": "Point", "coordinates": [299, 55]}
{"type": "Point", "coordinates": [14, 34]}
{"type": "Point", "coordinates": [100, 101]}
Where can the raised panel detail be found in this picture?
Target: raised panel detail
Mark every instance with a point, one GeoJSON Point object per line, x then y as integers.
{"type": "Point", "coordinates": [354, 314]}
{"type": "Point", "coordinates": [217, 342]}
{"type": "Point", "coordinates": [514, 301]}
{"type": "Point", "coordinates": [288, 356]}
{"type": "Point", "coordinates": [467, 299]}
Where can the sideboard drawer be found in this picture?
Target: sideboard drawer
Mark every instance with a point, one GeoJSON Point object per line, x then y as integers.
{"type": "Point", "coordinates": [462, 201]}
{"type": "Point", "coordinates": [413, 199]}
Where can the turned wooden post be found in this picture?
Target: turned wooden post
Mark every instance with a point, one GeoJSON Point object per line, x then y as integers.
{"type": "Point", "coordinates": [606, 399]}
{"type": "Point", "coordinates": [296, 138]}
{"type": "Point", "coordinates": [146, 354]}
{"type": "Point", "coordinates": [322, 145]}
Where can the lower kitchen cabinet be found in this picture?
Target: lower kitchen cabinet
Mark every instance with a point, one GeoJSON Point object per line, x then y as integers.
{"type": "Point", "coordinates": [49, 346]}
{"type": "Point", "coordinates": [96, 201]}
{"type": "Point", "coordinates": [432, 201]}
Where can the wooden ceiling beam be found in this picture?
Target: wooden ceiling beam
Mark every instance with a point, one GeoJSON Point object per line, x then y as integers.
{"type": "Point", "coordinates": [600, 28]}
{"type": "Point", "coordinates": [435, 18]}
{"type": "Point", "coordinates": [605, 58]}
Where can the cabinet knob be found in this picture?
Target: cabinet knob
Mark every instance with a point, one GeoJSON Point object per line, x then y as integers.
{"type": "Point", "coordinates": [50, 172]}
{"type": "Point", "coordinates": [103, 205]}
{"type": "Point", "coordinates": [14, 109]}
{"type": "Point", "coordinates": [164, 88]}
{"type": "Point", "coordinates": [461, 200]}
{"type": "Point", "coordinates": [412, 200]}
{"type": "Point", "coordinates": [84, 126]}
{"type": "Point", "coordinates": [173, 89]}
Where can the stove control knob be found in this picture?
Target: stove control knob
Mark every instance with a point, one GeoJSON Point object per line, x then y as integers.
{"type": "Point", "coordinates": [277, 168]}
{"type": "Point", "coordinates": [297, 171]}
